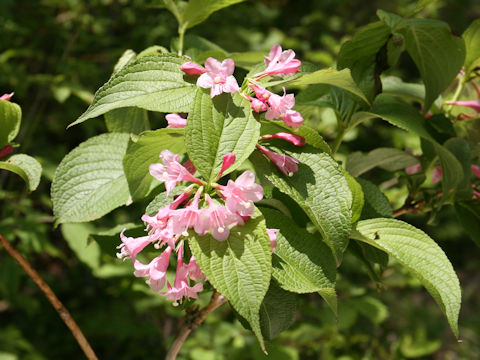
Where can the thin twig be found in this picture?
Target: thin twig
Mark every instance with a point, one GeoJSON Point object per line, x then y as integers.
{"type": "Point", "coordinates": [192, 321]}
{"type": "Point", "coordinates": [414, 208]}
{"type": "Point", "coordinates": [57, 304]}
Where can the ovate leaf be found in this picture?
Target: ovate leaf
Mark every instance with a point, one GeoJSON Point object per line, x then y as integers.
{"type": "Point", "coordinates": [322, 191]}
{"type": "Point", "coordinates": [26, 167]}
{"type": "Point", "coordinates": [153, 83]}
{"type": "Point", "coordinates": [376, 203]}
{"type": "Point", "coordinates": [89, 182]}
{"type": "Point", "coordinates": [144, 151]}
{"type": "Point", "coordinates": [10, 118]}
{"type": "Point", "coordinates": [239, 267]}
{"type": "Point", "coordinates": [215, 127]}
{"type": "Point", "coordinates": [127, 120]}
{"type": "Point", "coordinates": [198, 11]}
{"type": "Point", "coordinates": [468, 213]}
{"type": "Point", "coordinates": [437, 53]}
{"type": "Point", "coordinates": [471, 36]}
{"type": "Point", "coordinates": [415, 250]}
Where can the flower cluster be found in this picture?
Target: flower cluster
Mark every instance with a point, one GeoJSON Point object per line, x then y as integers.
{"type": "Point", "coordinates": [173, 221]}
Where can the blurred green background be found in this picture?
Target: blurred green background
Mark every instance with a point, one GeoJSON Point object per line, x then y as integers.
{"type": "Point", "coordinates": [54, 54]}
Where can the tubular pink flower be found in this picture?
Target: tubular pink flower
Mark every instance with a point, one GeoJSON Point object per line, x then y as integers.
{"type": "Point", "coordinates": [218, 220]}
{"type": "Point", "coordinates": [6, 97]}
{"type": "Point", "coordinates": [175, 121]}
{"type": "Point", "coordinates": [156, 270]}
{"type": "Point", "coordinates": [6, 150]}
{"type": "Point", "coordinates": [240, 195]}
{"type": "Point", "coordinates": [228, 160]}
{"type": "Point", "coordinates": [194, 271]}
{"type": "Point", "coordinates": [219, 77]}
{"type": "Point", "coordinates": [258, 106]}
{"type": "Point", "coordinates": [130, 247]}
{"type": "Point", "coordinates": [191, 68]}
{"type": "Point", "coordinates": [273, 238]}
{"type": "Point", "coordinates": [413, 169]}
{"type": "Point", "coordinates": [292, 118]}
{"type": "Point", "coordinates": [294, 139]}
{"type": "Point", "coordinates": [475, 170]}
{"type": "Point", "coordinates": [189, 166]}
{"type": "Point", "coordinates": [261, 93]}
{"type": "Point", "coordinates": [279, 105]}
{"type": "Point", "coordinates": [171, 171]}
{"type": "Point", "coordinates": [436, 175]}
{"type": "Point", "coordinates": [183, 219]}
{"type": "Point", "coordinates": [281, 62]}
{"type": "Point", "coordinates": [286, 164]}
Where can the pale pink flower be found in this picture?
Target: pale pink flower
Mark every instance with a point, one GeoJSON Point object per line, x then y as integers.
{"type": "Point", "coordinates": [240, 195]}
{"type": "Point", "coordinates": [281, 62]}
{"type": "Point", "coordinates": [294, 139]}
{"type": "Point", "coordinates": [273, 238]}
{"type": "Point", "coordinates": [279, 105]}
{"type": "Point", "coordinates": [228, 160]}
{"type": "Point", "coordinates": [219, 77]}
{"type": "Point", "coordinates": [286, 164]}
{"type": "Point", "coordinates": [436, 175]}
{"type": "Point", "coordinates": [191, 68]}
{"type": "Point", "coordinates": [189, 217]}
{"type": "Point", "coordinates": [218, 219]}
{"type": "Point", "coordinates": [175, 121]}
{"type": "Point", "coordinates": [475, 170]}
{"type": "Point", "coordinates": [292, 118]}
{"type": "Point", "coordinates": [130, 247]}
{"type": "Point", "coordinates": [413, 169]}
{"type": "Point", "coordinates": [171, 171]}
{"type": "Point", "coordinates": [194, 271]}
{"type": "Point", "coordinates": [258, 106]}
{"type": "Point", "coordinates": [6, 97]}
{"type": "Point", "coordinates": [156, 270]}
{"type": "Point", "coordinates": [261, 93]}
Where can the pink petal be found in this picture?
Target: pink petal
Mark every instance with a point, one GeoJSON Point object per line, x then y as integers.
{"type": "Point", "coordinates": [191, 68]}
{"type": "Point", "coordinates": [205, 81]}
{"type": "Point", "coordinates": [294, 139]}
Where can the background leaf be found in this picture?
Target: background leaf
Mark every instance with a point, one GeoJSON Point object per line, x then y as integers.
{"type": "Point", "coordinates": [89, 182]}
{"type": "Point", "coordinates": [376, 203]}
{"type": "Point", "coordinates": [198, 11]}
{"type": "Point", "coordinates": [10, 119]}
{"type": "Point", "coordinates": [471, 36]}
{"type": "Point", "coordinates": [127, 120]}
{"type": "Point", "coordinates": [28, 168]}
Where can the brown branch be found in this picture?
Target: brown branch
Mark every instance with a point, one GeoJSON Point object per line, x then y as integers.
{"type": "Point", "coordinates": [57, 304]}
{"type": "Point", "coordinates": [413, 208]}
{"type": "Point", "coordinates": [193, 320]}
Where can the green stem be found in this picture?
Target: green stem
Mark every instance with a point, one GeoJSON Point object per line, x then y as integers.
{"type": "Point", "coordinates": [338, 140]}
{"type": "Point", "coordinates": [456, 95]}
{"type": "Point", "coordinates": [181, 34]}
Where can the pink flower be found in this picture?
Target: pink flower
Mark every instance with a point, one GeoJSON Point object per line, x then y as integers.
{"type": "Point", "coordinates": [171, 171]}
{"type": "Point", "coordinates": [130, 247]}
{"type": "Point", "coordinates": [156, 270]}
{"type": "Point", "coordinates": [6, 97]}
{"type": "Point", "coordinates": [218, 220]}
{"type": "Point", "coordinates": [183, 219]}
{"type": "Point", "coordinates": [281, 62]}
{"type": "Point", "coordinates": [413, 169]}
{"type": "Point", "coordinates": [194, 271]}
{"type": "Point", "coordinates": [175, 121]}
{"type": "Point", "coordinates": [475, 170]}
{"type": "Point", "coordinates": [286, 164]}
{"type": "Point", "coordinates": [273, 238]}
{"type": "Point", "coordinates": [436, 175]}
{"type": "Point", "coordinates": [241, 194]}
{"type": "Point", "coordinates": [258, 106]}
{"type": "Point", "coordinates": [292, 118]}
{"type": "Point", "coordinates": [261, 93]}
{"type": "Point", "coordinates": [6, 150]}
{"type": "Point", "coordinates": [191, 68]}
{"type": "Point", "coordinates": [279, 105]}
{"type": "Point", "coordinates": [219, 77]}
{"type": "Point", "coordinates": [228, 160]}
{"type": "Point", "coordinates": [181, 287]}
{"type": "Point", "coordinates": [296, 140]}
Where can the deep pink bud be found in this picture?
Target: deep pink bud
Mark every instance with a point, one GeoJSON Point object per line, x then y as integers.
{"type": "Point", "coordinates": [296, 140]}
{"type": "Point", "coordinates": [175, 121]}
{"type": "Point", "coordinates": [6, 97]}
{"type": "Point", "coordinates": [286, 164]}
{"type": "Point", "coordinates": [228, 160]}
{"type": "Point", "coordinates": [292, 118]}
{"type": "Point", "coordinates": [191, 68]}
{"type": "Point", "coordinates": [7, 150]}
{"type": "Point", "coordinates": [475, 170]}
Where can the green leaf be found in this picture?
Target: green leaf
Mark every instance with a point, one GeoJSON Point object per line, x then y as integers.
{"type": "Point", "coordinates": [322, 191]}
{"type": "Point", "coordinates": [393, 85]}
{"type": "Point", "coordinates": [361, 56]}
{"type": "Point", "coordinates": [437, 53]}
{"type": "Point", "coordinates": [461, 150]}
{"type": "Point", "coordinates": [376, 203]}
{"type": "Point", "coordinates": [471, 36]}
{"type": "Point", "coordinates": [452, 172]}
{"type": "Point", "coordinates": [358, 197]}
{"type": "Point", "coordinates": [26, 167]}
{"type": "Point", "coordinates": [415, 250]}
{"type": "Point", "coordinates": [370, 307]}
{"type": "Point", "coordinates": [302, 263]}
{"type": "Point", "coordinates": [339, 78]}
{"type": "Point", "coordinates": [77, 236]}
{"type": "Point", "coordinates": [127, 57]}
{"type": "Point", "coordinates": [468, 213]}
{"type": "Point", "coordinates": [277, 311]}
{"type": "Point", "coordinates": [144, 151]}
{"type": "Point", "coordinates": [239, 267]}
{"type": "Point", "coordinates": [390, 159]}
{"type": "Point", "coordinates": [89, 182]}
{"type": "Point", "coordinates": [153, 83]}
{"type": "Point", "coordinates": [197, 11]}
{"type": "Point", "coordinates": [127, 120]}
{"type": "Point", "coordinates": [215, 127]}
{"type": "Point", "coordinates": [10, 119]}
